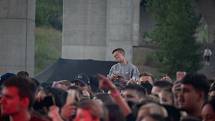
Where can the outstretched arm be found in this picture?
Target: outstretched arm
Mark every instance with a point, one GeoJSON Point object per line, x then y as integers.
{"type": "Point", "coordinates": [115, 94]}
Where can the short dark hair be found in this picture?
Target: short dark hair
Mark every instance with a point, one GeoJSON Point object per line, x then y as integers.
{"type": "Point", "coordinates": [141, 90]}
{"type": "Point", "coordinates": [198, 81]}
{"type": "Point", "coordinates": [146, 74]}
{"type": "Point", "coordinates": [23, 85]}
{"type": "Point", "coordinates": [119, 50]}
{"type": "Point", "coordinates": [23, 74]}
{"type": "Point", "coordinates": [6, 76]}
{"type": "Point", "coordinates": [95, 109]}
{"type": "Point", "coordinates": [163, 84]}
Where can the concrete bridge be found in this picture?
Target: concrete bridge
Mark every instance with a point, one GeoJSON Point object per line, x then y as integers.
{"type": "Point", "coordinates": [17, 23]}
{"type": "Point", "coordinates": [91, 29]}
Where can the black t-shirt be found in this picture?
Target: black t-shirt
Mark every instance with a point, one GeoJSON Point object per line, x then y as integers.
{"type": "Point", "coordinates": [4, 118]}
{"type": "Point", "coordinates": [130, 117]}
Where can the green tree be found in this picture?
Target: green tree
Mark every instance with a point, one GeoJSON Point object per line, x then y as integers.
{"type": "Point", "coordinates": [174, 34]}
{"type": "Point", "coordinates": [49, 13]}
{"type": "Point", "coordinates": [48, 34]}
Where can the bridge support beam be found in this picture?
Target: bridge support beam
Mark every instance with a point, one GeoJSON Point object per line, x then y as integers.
{"type": "Point", "coordinates": [17, 23]}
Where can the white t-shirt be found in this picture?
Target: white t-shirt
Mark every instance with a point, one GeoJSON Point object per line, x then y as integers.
{"type": "Point", "coordinates": [127, 71]}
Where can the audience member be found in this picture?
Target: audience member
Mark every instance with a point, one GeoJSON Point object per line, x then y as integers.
{"type": "Point", "coordinates": [146, 77]}
{"type": "Point", "coordinates": [208, 110]}
{"type": "Point", "coordinates": [159, 85]}
{"type": "Point", "coordinates": [23, 74]}
{"type": "Point", "coordinates": [90, 110]}
{"type": "Point", "coordinates": [123, 70]}
{"type": "Point", "coordinates": [134, 93]}
{"type": "Point", "coordinates": [186, 99]}
{"type": "Point", "coordinates": [194, 92]}
{"type": "Point", "coordinates": [17, 99]}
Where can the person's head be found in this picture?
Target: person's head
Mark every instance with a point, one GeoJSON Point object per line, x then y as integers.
{"type": "Point", "coordinates": [115, 113]}
{"type": "Point", "coordinates": [180, 75]}
{"type": "Point", "coordinates": [160, 85]}
{"type": "Point", "coordinates": [174, 113]}
{"type": "Point", "coordinates": [105, 98]}
{"type": "Point", "coordinates": [89, 110]}
{"type": "Point", "coordinates": [208, 110]}
{"type": "Point", "coordinates": [165, 77]}
{"type": "Point", "coordinates": [6, 76]}
{"type": "Point", "coordinates": [17, 95]}
{"type": "Point", "coordinates": [133, 92]}
{"type": "Point", "coordinates": [194, 91]}
{"type": "Point", "coordinates": [119, 54]}
{"type": "Point", "coordinates": [23, 74]}
{"type": "Point", "coordinates": [146, 77]}
{"type": "Point", "coordinates": [81, 80]}
{"type": "Point", "coordinates": [151, 108]}
{"type": "Point", "coordinates": [62, 84]}
{"type": "Point", "coordinates": [166, 97]}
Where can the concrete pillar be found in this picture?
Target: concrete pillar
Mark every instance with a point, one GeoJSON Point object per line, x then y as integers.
{"type": "Point", "coordinates": [136, 22]}
{"type": "Point", "coordinates": [17, 23]}
{"type": "Point", "coordinates": [119, 27]}
{"type": "Point", "coordinates": [84, 29]}
{"type": "Point", "coordinates": [93, 28]}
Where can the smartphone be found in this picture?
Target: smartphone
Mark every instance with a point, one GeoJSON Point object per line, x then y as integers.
{"type": "Point", "coordinates": [44, 104]}
{"type": "Point", "coordinates": [49, 101]}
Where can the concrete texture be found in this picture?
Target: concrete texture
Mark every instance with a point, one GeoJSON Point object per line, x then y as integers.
{"type": "Point", "coordinates": [95, 27]}
{"type": "Point", "coordinates": [17, 23]}
{"type": "Point", "coordinates": [119, 27]}
{"type": "Point", "coordinates": [84, 29]}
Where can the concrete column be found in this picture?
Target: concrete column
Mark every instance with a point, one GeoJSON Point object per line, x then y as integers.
{"type": "Point", "coordinates": [119, 27]}
{"type": "Point", "coordinates": [136, 22]}
{"type": "Point", "coordinates": [17, 23]}
{"type": "Point", "coordinates": [84, 29]}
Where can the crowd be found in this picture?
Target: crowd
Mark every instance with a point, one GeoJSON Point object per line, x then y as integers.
{"type": "Point", "coordinates": [124, 95]}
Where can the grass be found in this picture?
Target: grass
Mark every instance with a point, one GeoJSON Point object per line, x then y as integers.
{"type": "Point", "coordinates": [47, 47]}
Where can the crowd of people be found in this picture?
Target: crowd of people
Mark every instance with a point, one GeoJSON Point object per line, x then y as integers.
{"type": "Point", "coordinates": [124, 94]}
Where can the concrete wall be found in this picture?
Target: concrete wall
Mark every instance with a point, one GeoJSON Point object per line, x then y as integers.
{"type": "Point", "coordinates": [84, 29]}
{"type": "Point", "coordinates": [119, 19]}
{"type": "Point", "coordinates": [93, 28]}
{"type": "Point", "coordinates": [17, 35]}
